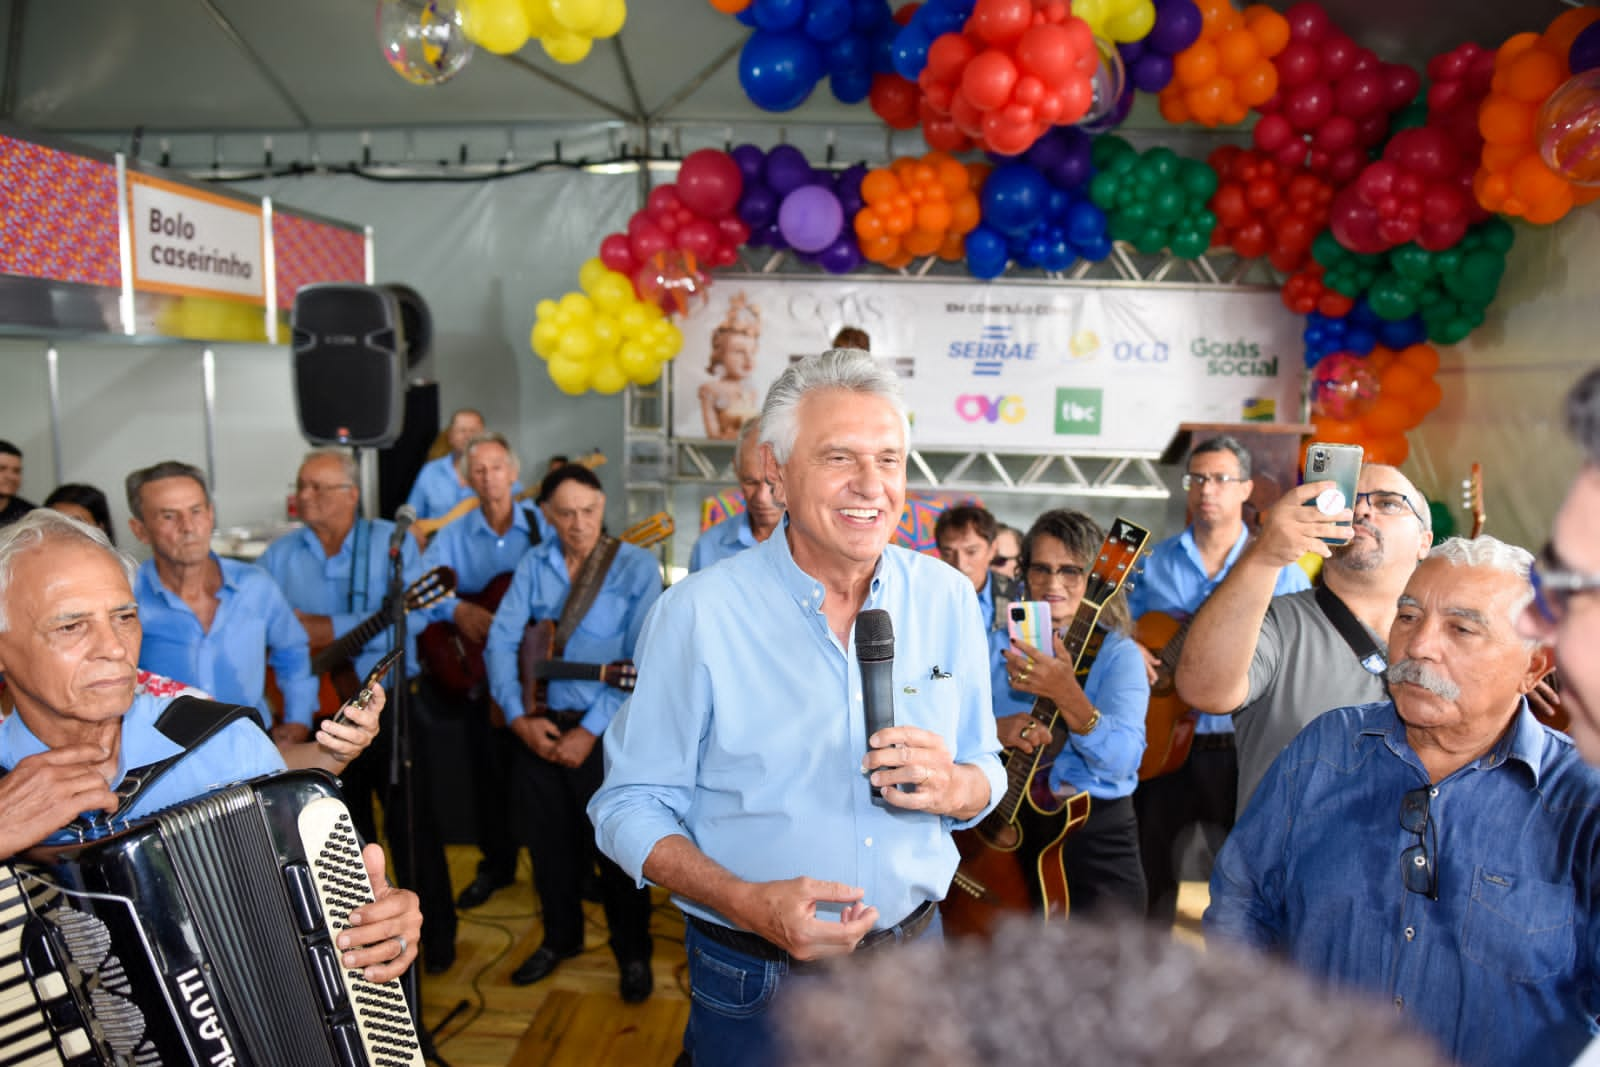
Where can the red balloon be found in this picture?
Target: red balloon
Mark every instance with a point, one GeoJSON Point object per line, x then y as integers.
{"type": "Point", "coordinates": [988, 80]}
{"type": "Point", "coordinates": [1400, 85]}
{"type": "Point", "coordinates": [1355, 223]}
{"type": "Point", "coordinates": [1251, 241]}
{"type": "Point", "coordinates": [1299, 64]}
{"type": "Point", "coordinates": [615, 253]}
{"type": "Point", "coordinates": [709, 183]}
{"type": "Point", "coordinates": [1274, 133]}
{"type": "Point", "coordinates": [1307, 22]}
{"type": "Point", "coordinates": [947, 56]}
{"type": "Point", "coordinates": [1341, 168]}
{"type": "Point", "coordinates": [1339, 56]}
{"type": "Point", "coordinates": [699, 238]}
{"type": "Point", "coordinates": [1377, 181]}
{"type": "Point", "coordinates": [941, 131]}
{"type": "Point", "coordinates": [1335, 135]}
{"type": "Point", "coordinates": [967, 116]}
{"type": "Point", "coordinates": [1049, 51]}
{"type": "Point", "coordinates": [733, 231]}
{"type": "Point", "coordinates": [894, 100]}
{"type": "Point", "coordinates": [903, 15]}
{"type": "Point", "coordinates": [1008, 138]}
{"type": "Point", "coordinates": [1310, 106]}
{"type": "Point", "coordinates": [1360, 94]}
{"type": "Point", "coordinates": [663, 204]}
{"type": "Point", "coordinates": [1424, 151]}
{"type": "Point", "coordinates": [645, 238]}
{"type": "Point", "coordinates": [1000, 22]}
{"type": "Point", "coordinates": [1229, 206]}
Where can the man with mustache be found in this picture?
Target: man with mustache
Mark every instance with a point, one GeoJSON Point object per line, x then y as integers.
{"type": "Point", "coordinates": [1275, 664]}
{"type": "Point", "coordinates": [1439, 849]}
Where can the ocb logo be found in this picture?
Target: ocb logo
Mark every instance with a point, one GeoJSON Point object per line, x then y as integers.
{"type": "Point", "coordinates": [1078, 411]}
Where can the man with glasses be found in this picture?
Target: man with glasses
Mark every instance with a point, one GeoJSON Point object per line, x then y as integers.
{"type": "Point", "coordinates": [1439, 849]}
{"type": "Point", "coordinates": [1180, 574]}
{"type": "Point", "coordinates": [1276, 663]}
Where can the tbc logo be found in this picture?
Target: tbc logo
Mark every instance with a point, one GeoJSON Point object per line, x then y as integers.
{"type": "Point", "coordinates": [972, 407]}
{"type": "Point", "coordinates": [1078, 411]}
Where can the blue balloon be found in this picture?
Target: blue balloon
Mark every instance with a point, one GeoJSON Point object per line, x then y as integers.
{"type": "Point", "coordinates": [986, 252]}
{"type": "Point", "coordinates": [1359, 340]}
{"type": "Point", "coordinates": [1013, 198]}
{"type": "Point", "coordinates": [850, 86]}
{"type": "Point", "coordinates": [828, 20]}
{"type": "Point", "coordinates": [909, 51]}
{"type": "Point", "coordinates": [779, 70]}
{"type": "Point", "coordinates": [847, 54]}
{"type": "Point", "coordinates": [778, 15]}
{"type": "Point", "coordinates": [1402, 333]}
{"type": "Point", "coordinates": [1095, 250]}
{"type": "Point", "coordinates": [1086, 225]}
{"type": "Point", "coordinates": [1585, 51]}
{"type": "Point", "coordinates": [869, 15]}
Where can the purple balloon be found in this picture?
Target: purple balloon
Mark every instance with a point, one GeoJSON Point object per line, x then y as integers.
{"type": "Point", "coordinates": [1585, 51]}
{"type": "Point", "coordinates": [751, 161]}
{"type": "Point", "coordinates": [1178, 26]}
{"type": "Point", "coordinates": [1130, 51]}
{"type": "Point", "coordinates": [787, 169]}
{"type": "Point", "coordinates": [1047, 151]}
{"type": "Point", "coordinates": [847, 187]}
{"type": "Point", "coordinates": [811, 218]}
{"type": "Point", "coordinates": [1151, 73]}
{"type": "Point", "coordinates": [1076, 165]}
{"type": "Point", "coordinates": [758, 205]}
{"type": "Point", "coordinates": [841, 257]}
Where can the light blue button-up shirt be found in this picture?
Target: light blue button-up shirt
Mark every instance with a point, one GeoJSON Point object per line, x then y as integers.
{"type": "Point", "coordinates": [723, 539]}
{"type": "Point", "coordinates": [319, 584]}
{"type": "Point", "coordinates": [1175, 582]}
{"type": "Point", "coordinates": [471, 548]}
{"type": "Point", "coordinates": [1504, 968]}
{"type": "Point", "coordinates": [746, 732]}
{"type": "Point", "coordinates": [254, 626]}
{"type": "Point", "coordinates": [236, 753]}
{"type": "Point", "coordinates": [437, 489]}
{"type": "Point", "coordinates": [609, 630]}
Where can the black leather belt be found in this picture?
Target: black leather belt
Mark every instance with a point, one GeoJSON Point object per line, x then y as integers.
{"type": "Point", "coordinates": [908, 929]}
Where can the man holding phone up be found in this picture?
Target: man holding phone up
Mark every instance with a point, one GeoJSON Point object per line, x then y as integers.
{"type": "Point", "coordinates": [1275, 664]}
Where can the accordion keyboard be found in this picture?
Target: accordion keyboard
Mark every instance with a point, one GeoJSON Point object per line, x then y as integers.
{"type": "Point", "coordinates": [39, 1019]}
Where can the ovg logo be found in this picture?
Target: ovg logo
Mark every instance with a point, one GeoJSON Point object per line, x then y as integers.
{"type": "Point", "coordinates": [1078, 411]}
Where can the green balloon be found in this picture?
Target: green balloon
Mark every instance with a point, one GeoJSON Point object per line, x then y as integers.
{"type": "Point", "coordinates": [1103, 190]}
{"type": "Point", "coordinates": [1162, 161]}
{"type": "Point", "coordinates": [1497, 235]}
{"type": "Point", "coordinates": [1326, 250]}
{"type": "Point", "coordinates": [1167, 205]}
{"type": "Point", "coordinates": [1141, 213]}
{"type": "Point", "coordinates": [1444, 523]}
{"type": "Point", "coordinates": [1198, 180]}
{"type": "Point", "coordinates": [1150, 240]}
{"type": "Point", "coordinates": [1412, 261]}
{"type": "Point", "coordinates": [1389, 301]}
{"type": "Point", "coordinates": [1190, 244]}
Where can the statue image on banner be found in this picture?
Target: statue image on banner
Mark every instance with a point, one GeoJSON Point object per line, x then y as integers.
{"type": "Point", "coordinates": [729, 399]}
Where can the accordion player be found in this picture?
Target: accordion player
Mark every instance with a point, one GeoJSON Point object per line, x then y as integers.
{"type": "Point", "coordinates": [202, 934]}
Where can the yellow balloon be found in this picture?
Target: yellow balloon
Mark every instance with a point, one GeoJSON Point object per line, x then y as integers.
{"type": "Point", "coordinates": [606, 377]}
{"type": "Point", "coordinates": [668, 341]}
{"type": "Point", "coordinates": [591, 272]}
{"type": "Point", "coordinates": [612, 293]}
{"type": "Point", "coordinates": [613, 13]}
{"type": "Point", "coordinates": [538, 15]}
{"type": "Point", "coordinates": [1132, 24]}
{"type": "Point", "coordinates": [570, 376]}
{"type": "Point", "coordinates": [607, 334]}
{"type": "Point", "coordinates": [500, 26]}
{"type": "Point", "coordinates": [567, 48]}
{"type": "Point", "coordinates": [544, 308]}
{"type": "Point", "coordinates": [634, 319]}
{"type": "Point", "coordinates": [638, 364]}
{"type": "Point", "coordinates": [546, 338]}
{"type": "Point", "coordinates": [577, 342]}
{"type": "Point", "coordinates": [1094, 12]}
{"type": "Point", "coordinates": [577, 307]}
{"type": "Point", "coordinates": [577, 16]}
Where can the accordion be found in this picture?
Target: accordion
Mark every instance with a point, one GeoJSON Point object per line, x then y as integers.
{"type": "Point", "coordinates": [203, 934]}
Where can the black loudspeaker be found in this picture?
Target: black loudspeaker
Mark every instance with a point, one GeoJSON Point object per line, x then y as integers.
{"type": "Point", "coordinates": [398, 464]}
{"type": "Point", "coordinates": [349, 364]}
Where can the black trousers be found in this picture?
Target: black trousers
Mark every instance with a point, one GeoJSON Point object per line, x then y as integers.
{"type": "Point", "coordinates": [551, 800]}
{"type": "Point", "coordinates": [1101, 858]}
{"type": "Point", "coordinates": [1203, 790]}
{"type": "Point", "coordinates": [489, 754]}
{"type": "Point", "coordinates": [418, 857]}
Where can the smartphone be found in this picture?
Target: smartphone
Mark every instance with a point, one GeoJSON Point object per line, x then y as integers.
{"type": "Point", "coordinates": [363, 697]}
{"type": "Point", "coordinates": [1340, 464]}
{"type": "Point", "coordinates": [1029, 621]}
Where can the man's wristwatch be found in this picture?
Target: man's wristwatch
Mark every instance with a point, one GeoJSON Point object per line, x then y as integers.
{"type": "Point", "coordinates": [1088, 727]}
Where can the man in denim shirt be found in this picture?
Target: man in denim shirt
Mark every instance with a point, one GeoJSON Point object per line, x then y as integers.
{"type": "Point", "coordinates": [1440, 849]}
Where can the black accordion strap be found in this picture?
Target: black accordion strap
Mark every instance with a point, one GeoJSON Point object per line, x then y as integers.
{"type": "Point", "coordinates": [188, 722]}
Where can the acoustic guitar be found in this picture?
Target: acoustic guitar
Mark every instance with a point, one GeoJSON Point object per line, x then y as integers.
{"type": "Point", "coordinates": [1011, 861]}
{"type": "Point", "coordinates": [538, 668]}
{"type": "Point", "coordinates": [333, 661]}
{"type": "Point", "coordinates": [426, 528]}
{"type": "Point", "coordinates": [455, 660]}
{"type": "Point", "coordinates": [1169, 721]}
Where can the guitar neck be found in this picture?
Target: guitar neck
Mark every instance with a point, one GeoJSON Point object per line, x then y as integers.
{"type": "Point", "coordinates": [345, 647]}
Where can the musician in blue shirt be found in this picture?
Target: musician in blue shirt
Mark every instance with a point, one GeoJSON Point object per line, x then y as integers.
{"type": "Point", "coordinates": [1440, 850]}
{"type": "Point", "coordinates": [739, 773]}
{"type": "Point", "coordinates": [440, 484]}
{"type": "Point", "coordinates": [965, 537]}
{"type": "Point", "coordinates": [1178, 576]}
{"type": "Point", "coordinates": [761, 512]}
{"type": "Point", "coordinates": [484, 544]}
{"type": "Point", "coordinates": [1103, 717]}
{"type": "Point", "coordinates": [69, 646]}
{"type": "Point", "coordinates": [558, 766]}
{"type": "Point", "coordinates": [335, 574]}
{"type": "Point", "coordinates": [214, 623]}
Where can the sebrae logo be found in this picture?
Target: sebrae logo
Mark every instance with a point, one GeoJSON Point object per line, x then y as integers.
{"type": "Point", "coordinates": [1234, 359]}
{"type": "Point", "coordinates": [1078, 411]}
{"type": "Point", "coordinates": [992, 351]}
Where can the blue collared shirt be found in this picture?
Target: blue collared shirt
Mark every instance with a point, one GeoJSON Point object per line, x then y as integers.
{"type": "Point", "coordinates": [1501, 968]}
{"type": "Point", "coordinates": [609, 630]}
{"type": "Point", "coordinates": [723, 539]}
{"type": "Point", "coordinates": [319, 584]}
{"type": "Point", "coordinates": [437, 488]}
{"type": "Point", "coordinates": [746, 732]}
{"type": "Point", "coordinates": [254, 626]}
{"type": "Point", "coordinates": [1104, 761]}
{"type": "Point", "coordinates": [236, 753]}
{"type": "Point", "coordinates": [470, 547]}
{"type": "Point", "coordinates": [1175, 582]}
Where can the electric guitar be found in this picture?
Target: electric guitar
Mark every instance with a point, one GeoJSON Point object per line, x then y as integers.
{"type": "Point", "coordinates": [426, 528]}
{"type": "Point", "coordinates": [1011, 861]}
{"type": "Point", "coordinates": [1169, 723]}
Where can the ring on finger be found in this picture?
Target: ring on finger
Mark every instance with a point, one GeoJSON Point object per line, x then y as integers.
{"type": "Point", "coordinates": [402, 939]}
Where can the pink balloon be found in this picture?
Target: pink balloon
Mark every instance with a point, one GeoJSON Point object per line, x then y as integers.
{"type": "Point", "coordinates": [616, 254]}
{"type": "Point", "coordinates": [709, 183]}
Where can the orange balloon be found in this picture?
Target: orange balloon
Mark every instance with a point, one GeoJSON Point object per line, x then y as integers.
{"type": "Point", "coordinates": [1337, 431]}
{"type": "Point", "coordinates": [1270, 28]}
{"type": "Point", "coordinates": [1532, 76]}
{"type": "Point", "coordinates": [1504, 120]}
{"type": "Point", "coordinates": [1502, 157]}
{"type": "Point", "coordinates": [1399, 382]}
{"type": "Point", "coordinates": [1424, 359]}
{"type": "Point", "coordinates": [1564, 29]}
{"type": "Point", "coordinates": [1234, 114]}
{"type": "Point", "coordinates": [1237, 52]}
{"type": "Point", "coordinates": [1379, 358]}
{"type": "Point", "coordinates": [1173, 107]}
{"type": "Point", "coordinates": [978, 172]}
{"type": "Point", "coordinates": [953, 248]}
{"type": "Point", "coordinates": [730, 7]}
{"type": "Point", "coordinates": [899, 219]}
{"type": "Point", "coordinates": [1255, 86]}
{"type": "Point", "coordinates": [898, 260]}
{"type": "Point", "coordinates": [934, 217]}
{"type": "Point", "coordinates": [1514, 47]}
{"type": "Point", "coordinates": [1534, 183]}
{"type": "Point", "coordinates": [1427, 398]}
{"type": "Point", "coordinates": [965, 213]}
{"type": "Point", "coordinates": [880, 249]}
{"type": "Point", "coordinates": [1210, 100]}
{"type": "Point", "coordinates": [879, 185]}
{"type": "Point", "coordinates": [1196, 65]}
{"type": "Point", "coordinates": [952, 176]}
{"type": "Point", "coordinates": [1212, 12]}
{"type": "Point", "coordinates": [1390, 415]}
{"type": "Point", "coordinates": [923, 242]}
{"type": "Point", "coordinates": [868, 224]}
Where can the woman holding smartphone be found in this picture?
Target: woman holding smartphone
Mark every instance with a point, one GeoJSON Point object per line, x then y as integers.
{"type": "Point", "coordinates": [1100, 729]}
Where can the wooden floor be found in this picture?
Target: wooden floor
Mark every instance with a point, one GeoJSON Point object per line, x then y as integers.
{"type": "Point", "coordinates": [574, 1018]}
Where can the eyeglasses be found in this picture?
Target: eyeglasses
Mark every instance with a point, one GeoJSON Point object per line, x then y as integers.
{"type": "Point", "coordinates": [319, 488]}
{"type": "Point", "coordinates": [1041, 573]}
{"type": "Point", "coordinates": [1385, 502]}
{"type": "Point", "coordinates": [1553, 585]}
{"type": "Point", "coordinates": [1200, 481]}
{"type": "Point", "coordinates": [1417, 869]}
{"type": "Point", "coordinates": [1002, 561]}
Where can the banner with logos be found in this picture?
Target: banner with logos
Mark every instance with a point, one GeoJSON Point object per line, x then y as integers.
{"type": "Point", "coordinates": [1022, 366]}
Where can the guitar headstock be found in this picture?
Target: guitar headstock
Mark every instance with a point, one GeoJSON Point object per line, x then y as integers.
{"type": "Point", "coordinates": [620, 675]}
{"type": "Point", "coordinates": [1472, 499]}
{"type": "Point", "coordinates": [652, 531]}
{"type": "Point", "coordinates": [435, 585]}
{"type": "Point", "coordinates": [1118, 554]}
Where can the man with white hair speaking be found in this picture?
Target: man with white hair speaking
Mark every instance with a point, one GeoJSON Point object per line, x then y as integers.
{"type": "Point", "coordinates": [1441, 848]}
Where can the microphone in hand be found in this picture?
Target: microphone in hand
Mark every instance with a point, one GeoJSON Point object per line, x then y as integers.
{"type": "Point", "coordinates": [875, 655]}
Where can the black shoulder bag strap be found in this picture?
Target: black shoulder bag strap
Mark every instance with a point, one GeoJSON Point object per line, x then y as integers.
{"type": "Point", "coordinates": [591, 575]}
{"type": "Point", "coordinates": [1355, 635]}
{"type": "Point", "coordinates": [534, 536]}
